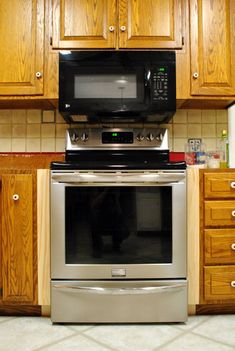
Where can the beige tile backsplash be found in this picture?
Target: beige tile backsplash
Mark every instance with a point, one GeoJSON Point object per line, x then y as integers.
{"type": "Point", "coordinates": [44, 131]}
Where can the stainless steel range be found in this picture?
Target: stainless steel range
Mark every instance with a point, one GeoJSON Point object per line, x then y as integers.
{"type": "Point", "coordinates": [118, 229]}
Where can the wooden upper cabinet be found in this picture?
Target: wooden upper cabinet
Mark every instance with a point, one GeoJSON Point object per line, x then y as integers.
{"type": "Point", "coordinates": [150, 24]}
{"type": "Point", "coordinates": [116, 24]}
{"type": "Point", "coordinates": [212, 33]}
{"type": "Point", "coordinates": [84, 24]}
{"type": "Point", "coordinates": [21, 47]}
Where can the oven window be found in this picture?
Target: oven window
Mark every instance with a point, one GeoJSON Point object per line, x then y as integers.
{"type": "Point", "coordinates": [118, 224]}
{"type": "Point", "coordinates": [103, 86]}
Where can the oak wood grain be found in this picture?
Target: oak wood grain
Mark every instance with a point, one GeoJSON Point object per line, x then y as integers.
{"type": "Point", "coordinates": [218, 283]}
{"type": "Point", "coordinates": [22, 47]}
{"type": "Point", "coordinates": [219, 185]}
{"type": "Point", "coordinates": [218, 246]}
{"type": "Point", "coordinates": [18, 239]}
{"type": "Point", "coordinates": [219, 213]}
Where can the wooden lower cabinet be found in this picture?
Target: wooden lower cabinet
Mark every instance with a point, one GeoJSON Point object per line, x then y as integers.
{"type": "Point", "coordinates": [18, 277]}
{"type": "Point", "coordinates": [217, 239]}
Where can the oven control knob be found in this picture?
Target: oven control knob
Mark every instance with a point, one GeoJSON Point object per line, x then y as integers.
{"type": "Point", "coordinates": [140, 137]}
{"type": "Point", "coordinates": [74, 138]}
{"type": "Point", "coordinates": [150, 137]}
{"type": "Point", "coordinates": [84, 137]}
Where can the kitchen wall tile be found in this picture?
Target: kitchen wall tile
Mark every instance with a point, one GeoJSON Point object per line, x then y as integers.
{"type": "Point", "coordinates": [5, 130]}
{"type": "Point", "coordinates": [179, 131]}
{"type": "Point", "coordinates": [194, 116]}
{"type": "Point", "coordinates": [33, 145]}
{"type": "Point", "coordinates": [48, 144]}
{"type": "Point", "coordinates": [34, 116]}
{"type": "Point", "coordinates": [19, 116]}
{"type": "Point", "coordinates": [59, 118]}
{"type": "Point", "coordinates": [48, 130]}
{"type": "Point", "coordinates": [33, 130]}
{"type": "Point", "coordinates": [180, 116]}
{"type": "Point", "coordinates": [178, 144]}
{"type": "Point", "coordinates": [19, 130]}
{"type": "Point", "coordinates": [60, 130]}
{"type": "Point", "coordinates": [60, 145]}
{"type": "Point", "coordinates": [221, 116]}
{"type": "Point", "coordinates": [208, 130]}
{"type": "Point", "coordinates": [5, 144]}
{"type": "Point", "coordinates": [5, 116]}
{"type": "Point", "coordinates": [18, 145]}
{"type": "Point", "coordinates": [208, 116]}
{"type": "Point", "coordinates": [48, 116]}
{"type": "Point", "coordinates": [210, 143]}
{"type": "Point", "coordinates": [194, 130]}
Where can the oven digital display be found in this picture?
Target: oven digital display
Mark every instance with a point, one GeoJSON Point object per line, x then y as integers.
{"type": "Point", "coordinates": [117, 138]}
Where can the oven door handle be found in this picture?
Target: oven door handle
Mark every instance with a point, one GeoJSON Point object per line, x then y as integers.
{"type": "Point", "coordinates": [121, 291]}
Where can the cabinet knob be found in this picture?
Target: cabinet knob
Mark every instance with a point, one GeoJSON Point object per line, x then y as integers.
{"type": "Point", "coordinates": [38, 74]}
{"type": "Point", "coordinates": [233, 246]}
{"type": "Point", "coordinates": [123, 28]}
{"type": "Point", "coordinates": [232, 185]}
{"type": "Point", "coordinates": [233, 213]}
{"type": "Point", "coordinates": [15, 197]}
{"type": "Point", "coordinates": [195, 75]}
{"type": "Point", "coordinates": [233, 283]}
{"type": "Point", "coordinates": [111, 28]}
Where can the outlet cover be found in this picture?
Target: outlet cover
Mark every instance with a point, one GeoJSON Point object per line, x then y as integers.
{"type": "Point", "coordinates": [195, 144]}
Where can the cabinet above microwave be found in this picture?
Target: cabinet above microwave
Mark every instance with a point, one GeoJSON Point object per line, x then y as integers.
{"type": "Point", "coordinates": [117, 86]}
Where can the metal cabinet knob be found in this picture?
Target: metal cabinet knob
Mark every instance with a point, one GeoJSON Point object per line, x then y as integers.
{"type": "Point", "coordinates": [233, 283]}
{"type": "Point", "coordinates": [111, 28]}
{"type": "Point", "coordinates": [232, 185]}
{"type": "Point", "coordinates": [38, 74]}
{"type": "Point", "coordinates": [233, 213]}
{"type": "Point", "coordinates": [233, 246]}
{"type": "Point", "coordinates": [123, 28]}
{"type": "Point", "coordinates": [15, 197]}
{"type": "Point", "coordinates": [195, 75]}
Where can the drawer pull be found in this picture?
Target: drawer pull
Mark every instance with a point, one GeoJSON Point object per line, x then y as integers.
{"type": "Point", "coordinates": [15, 197]}
{"type": "Point", "coordinates": [232, 185]}
{"type": "Point", "coordinates": [233, 246]}
{"type": "Point", "coordinates": [233, 283]}
{"type": "Point", "coordinates": [233, 213]}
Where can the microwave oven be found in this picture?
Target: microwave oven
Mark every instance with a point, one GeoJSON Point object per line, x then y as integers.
{"type": "Point", "coordinates": [117, 86]}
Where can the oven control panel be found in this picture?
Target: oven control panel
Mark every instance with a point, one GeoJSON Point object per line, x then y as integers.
{"type": "Point", "coordinates": [123, 138]}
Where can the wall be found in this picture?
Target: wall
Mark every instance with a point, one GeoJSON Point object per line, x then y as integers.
{"type": "Point", "coordinates": [44, 131]}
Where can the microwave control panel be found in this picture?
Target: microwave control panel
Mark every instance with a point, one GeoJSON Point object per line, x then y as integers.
{"type": "Point", "coordinates": [160, 84]}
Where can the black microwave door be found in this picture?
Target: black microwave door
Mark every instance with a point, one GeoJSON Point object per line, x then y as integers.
{"type": "Point", "coordinates": [109, 90]}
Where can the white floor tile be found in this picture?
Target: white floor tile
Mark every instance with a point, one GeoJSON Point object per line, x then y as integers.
{"type": "Point", "coordinates": [133, 337]}
{"type": "Point", "coordinates": [220, 328]}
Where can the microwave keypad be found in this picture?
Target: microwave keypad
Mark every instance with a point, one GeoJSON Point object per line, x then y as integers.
{"type": "Point", "coordinates": [160, 86]}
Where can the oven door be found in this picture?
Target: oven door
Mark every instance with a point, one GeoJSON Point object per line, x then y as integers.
{"type": "Point", "coordinates": [112, 225]}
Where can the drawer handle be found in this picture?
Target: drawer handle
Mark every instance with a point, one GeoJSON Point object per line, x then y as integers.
{"type": "Point", "coordinates": [233, 246]}
{"type": "Point", "coordinates": [233, 283]}
{"type": "Point", "coordinates": [232, 185]}
{"type": "Point", "coordinates": [233, 213]}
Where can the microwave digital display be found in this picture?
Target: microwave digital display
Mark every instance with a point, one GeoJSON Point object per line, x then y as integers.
{"type": "Point", "coordinates": [102, 86]}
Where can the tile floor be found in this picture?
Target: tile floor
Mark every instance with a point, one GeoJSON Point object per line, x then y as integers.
{"type": "Point", "coordinates": [201, 333]}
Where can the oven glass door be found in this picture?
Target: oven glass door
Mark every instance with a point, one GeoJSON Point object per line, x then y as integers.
{"type": "Point", "coordinates": [116, 224]}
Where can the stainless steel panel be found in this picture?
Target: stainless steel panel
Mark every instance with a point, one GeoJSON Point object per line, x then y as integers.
{"type": "Point", "coordinates": [119, 301]}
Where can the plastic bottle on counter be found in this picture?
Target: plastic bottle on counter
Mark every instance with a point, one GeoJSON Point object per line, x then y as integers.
{"type": "Point", "coordinates": [224, 156]}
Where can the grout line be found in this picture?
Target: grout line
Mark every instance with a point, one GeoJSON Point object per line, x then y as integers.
{"type": "Point", "coordinates": [214, 340]}
{"type": "Point", "coordinates": [44, 347]}
{"type": "Point", "coordinates": [108, 347]}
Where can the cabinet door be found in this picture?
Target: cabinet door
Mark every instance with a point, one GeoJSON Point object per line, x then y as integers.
{"type": "Point", "coordinates": [84, 24]}
{"type": "Point", "coordinates": [212, 47]}
{"type": "Point", "coordinates": [150, 24]}
{"type": "Point", "coordinates": [18, 239]}
{"type": "Point", "coordinates": [21, 47]}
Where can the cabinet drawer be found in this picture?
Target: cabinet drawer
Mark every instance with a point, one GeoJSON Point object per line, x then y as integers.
{"type": "Point", "coordinates": [218, 283]}
{"type": "Point", "coordinates": [219, 213]}
{"type": "Point", "coordinates": [219, 246]}
{"type": "Point", "coordinates": [219, 185]}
